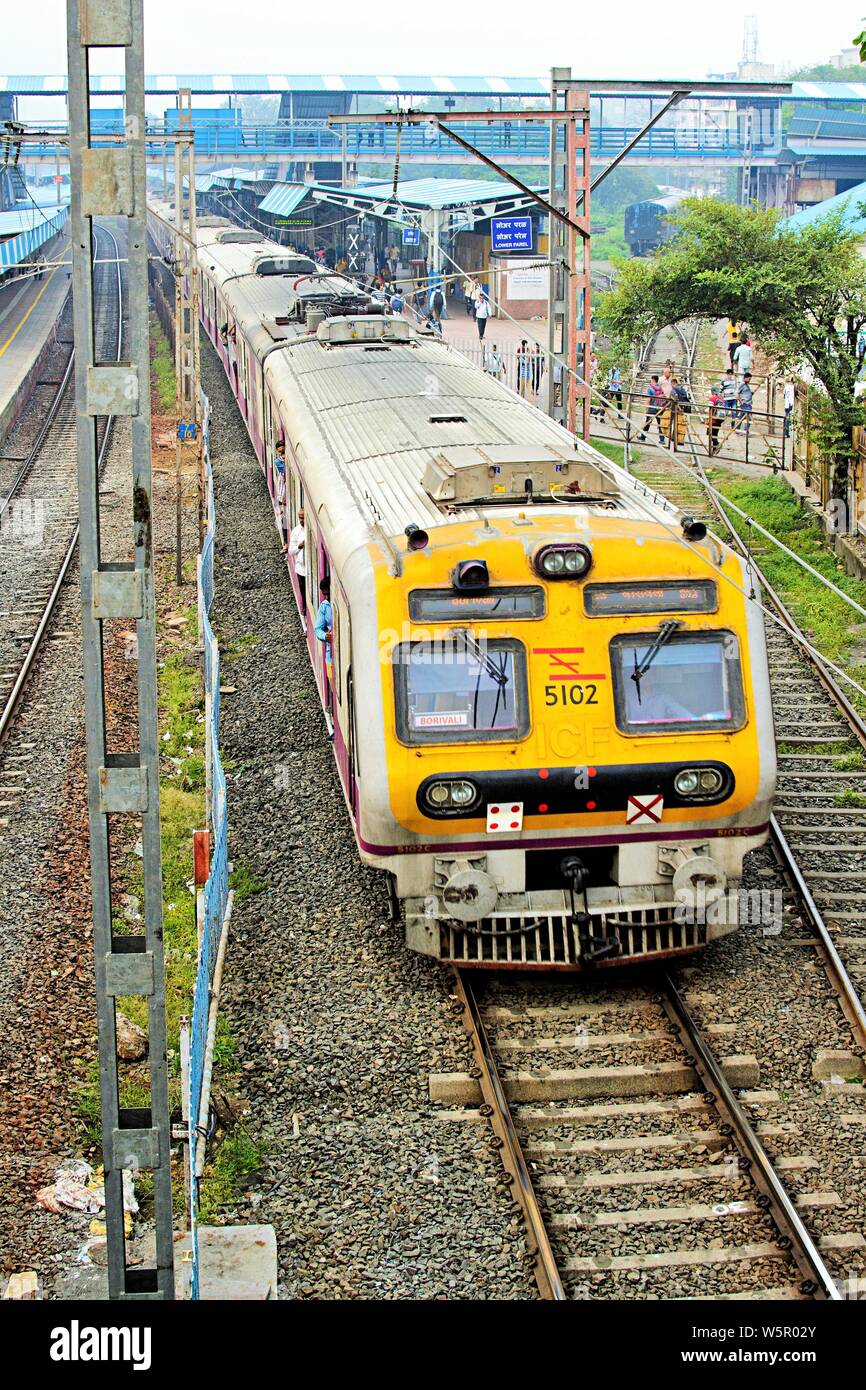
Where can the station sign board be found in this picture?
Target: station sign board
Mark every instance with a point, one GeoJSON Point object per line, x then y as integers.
{"type": "Point", "coordinates": [511, 234]}
{"type": "Point", "coordinates": [411, 236]}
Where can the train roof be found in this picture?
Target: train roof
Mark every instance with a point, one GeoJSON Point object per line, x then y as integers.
{"type": "Point", "coordinates": [395, 425]}
{"type": "Point", "coordinates": [402, 420]}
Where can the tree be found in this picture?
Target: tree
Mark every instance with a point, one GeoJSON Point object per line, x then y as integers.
{"type": "Point", "coordinates": [625, 186]}
{"type": "Point", "coordinates": [801, 292]}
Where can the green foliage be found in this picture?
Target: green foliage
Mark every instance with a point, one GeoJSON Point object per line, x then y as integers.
{"type": "Point", "coordinates": [802, 295]}
{"type": "Point", "coordinates": [622, 187]}
{"type": "Point", "coordinates": [162, 365]}
{"type": "Point", "coordinates": [237, 1159]}
{"type": "Point", "coordinates": [825, 618]}
{"type": "Point", "coordinates": [849, 798]}
{"type": "Point", "coordinates": [244, 882]}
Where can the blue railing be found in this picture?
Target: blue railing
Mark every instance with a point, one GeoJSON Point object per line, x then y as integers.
{"type": "Point", "coordinates": [723, 139]}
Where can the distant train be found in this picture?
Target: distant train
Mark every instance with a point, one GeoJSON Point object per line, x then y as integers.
{"type": "Point", "coordinates": [646, 224]}
{"type": "Point", "coordinates": [547, 693]}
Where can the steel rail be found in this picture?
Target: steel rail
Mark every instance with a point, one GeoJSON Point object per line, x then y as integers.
{"type": "Point", "coordinates": [498, 1111]}
{"type": "Point", "coordinates": [50, 416]}
{"type": "Point", "coordinates": [852, 1005]}
{"type": "Point", "coordinates": [8, 711]}
{"type": "Point", "coordinates": [794, 1236]}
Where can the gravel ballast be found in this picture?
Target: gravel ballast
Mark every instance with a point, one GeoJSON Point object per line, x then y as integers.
{"type": "Point", "coordinates": [337, 1026]}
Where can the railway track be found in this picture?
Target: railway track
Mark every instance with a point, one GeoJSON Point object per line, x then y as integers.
{"type": "Point", "coordinates": [637, 1169]}
{"type": "Point", "coordinates": [40, 535]}
{"type": "Point", "coordinates": [818, 830]}
{"type": "Point", "coordinates": [645, 1178]}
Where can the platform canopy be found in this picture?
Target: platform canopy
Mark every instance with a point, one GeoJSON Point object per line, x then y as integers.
{"type": "Point", "coordinates": [848, 203]}
{"type": "Point", "coordinates": [480, 198]}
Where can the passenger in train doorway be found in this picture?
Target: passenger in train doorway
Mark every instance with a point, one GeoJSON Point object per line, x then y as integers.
{"type": "Point", "coordinates": [280, 489]}
{"type": "Point", "coordinates": [324, 629]}
{"type": "Point", "coordinates": [297, 551]}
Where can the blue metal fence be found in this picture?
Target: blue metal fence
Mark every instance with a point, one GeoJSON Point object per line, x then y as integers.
{"type": "Point", "coordinates": [17, 248]}
{"type": "Point", "coordinates": [216, 897]}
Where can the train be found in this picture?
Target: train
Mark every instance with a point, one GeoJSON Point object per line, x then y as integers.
{"type": "Point", "coordinates": [646, 225]}
{"type": "Point", "coordinates": [546, 689]}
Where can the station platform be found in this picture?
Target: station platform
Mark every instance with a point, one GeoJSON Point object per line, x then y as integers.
{"type": "Point", "coordinates": [29, 313]}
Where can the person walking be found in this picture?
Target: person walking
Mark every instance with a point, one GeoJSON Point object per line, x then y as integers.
{"type": "Point", "coordinates": [733, 339]}
{"type": "Point", "coordinates": [397, 302]}
{"type": "Point", "coordinates": [743, 359]}
{"type": "Point", "coordinates": [714, 419]}
{"type": "Point", "coordinates": [655, 404]}
{"type": "Point", "coordinates": [482, 313]}
{"type": "Point", "coordinates": [728, 392]}
{"type": "Point", "coordinates": [745, 397]}
{"type": "Point", "coordinates": [789, 397]}
{"type": "Point", "coordinates": [298, 553]}
{"type": "Point", "coordinates": [437, 303]}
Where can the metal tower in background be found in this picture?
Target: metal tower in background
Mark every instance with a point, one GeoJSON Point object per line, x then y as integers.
{"type": "Point", "coordinates": [750, 38]}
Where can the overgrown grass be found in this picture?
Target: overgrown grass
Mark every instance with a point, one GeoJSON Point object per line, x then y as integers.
{"type": "Point", "coordinates": [244, 882]}
{"type": "Point", "coordinates": [162, 366]}
{"type": "Point", "coordinates": [612, 451]}
{"type": "Point", "coordinates": [825, 618]}
{"type": "Point", "coordinates": [849, 798]}
{"type": "Point", "coordinates": [236, 1159]}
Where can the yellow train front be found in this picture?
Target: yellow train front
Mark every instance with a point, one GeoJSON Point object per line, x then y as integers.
{"type": "Point", "coordinates": [578, 739]}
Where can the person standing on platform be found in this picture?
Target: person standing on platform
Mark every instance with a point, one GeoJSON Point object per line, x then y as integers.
{"type": "Point", "coordinates": [537, 369]}
{"type": "Point", "coordinates": [524, 369]}
{"type": "Point", "coordinates": [493, 364]}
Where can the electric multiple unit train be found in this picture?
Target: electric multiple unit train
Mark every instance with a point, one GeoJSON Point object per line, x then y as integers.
{"type": "Point", "coordinates": [548, 690]}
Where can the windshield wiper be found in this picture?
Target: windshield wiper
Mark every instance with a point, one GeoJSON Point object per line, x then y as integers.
{"type": "Point", "coordinates": [481, 657]}
{"type": "Point", "coordinates": [665, 633]}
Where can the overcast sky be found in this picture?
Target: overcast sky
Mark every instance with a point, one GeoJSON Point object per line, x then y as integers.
{"type": "Point", "coordinates": [633, 38]}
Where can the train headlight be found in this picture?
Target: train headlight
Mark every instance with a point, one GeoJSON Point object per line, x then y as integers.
{"type": "Point", "coordinates": [450, 795]}
{"type": "Point", "coordinates": [699, 781]}
{"type": "Point", "coordinates": [563, 561]}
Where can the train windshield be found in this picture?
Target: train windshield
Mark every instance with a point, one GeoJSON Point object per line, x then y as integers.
{"type": "Point", "coordinates": [461, 689]}
{"type": "Point", "coordinates": [692, 681]}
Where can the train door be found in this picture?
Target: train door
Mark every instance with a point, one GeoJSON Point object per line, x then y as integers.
{"type": "Point", "coordinates": [327, 643]}
{"type": "Point", "coordinates": [346, 696]}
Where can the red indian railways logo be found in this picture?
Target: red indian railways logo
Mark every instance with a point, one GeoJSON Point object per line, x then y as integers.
{"type": "Point", "coordinates": [562, 664]}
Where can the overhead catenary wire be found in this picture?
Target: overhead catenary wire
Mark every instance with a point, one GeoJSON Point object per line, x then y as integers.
{"type": "Point", "coordinates": [834, 588]}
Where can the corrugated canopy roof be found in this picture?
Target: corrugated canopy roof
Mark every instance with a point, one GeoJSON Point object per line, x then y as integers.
{"type": "Point", "coordinates": [421, 194]}
{"type": "Point", "coordinates": [284, 198]}
{"type": "Point", "coordinates": [849, 203]}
